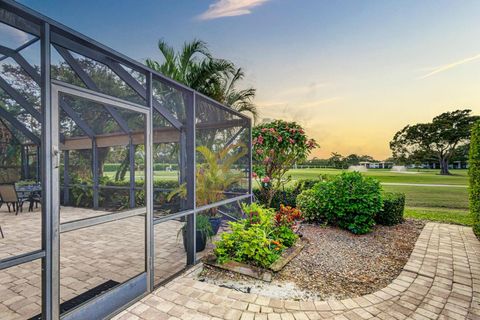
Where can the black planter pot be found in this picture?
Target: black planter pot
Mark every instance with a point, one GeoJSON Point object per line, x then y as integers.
{"type": "Point", "coordinates": [215, 222]}
{"type": "Point", "coordinates": [201, 240]}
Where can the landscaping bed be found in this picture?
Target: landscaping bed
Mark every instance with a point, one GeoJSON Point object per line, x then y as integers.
{"type": "Point", "coordinates": [334, 264]}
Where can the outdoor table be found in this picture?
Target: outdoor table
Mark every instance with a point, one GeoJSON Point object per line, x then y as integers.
{"type": "Point", "coordinates": [30, 191]}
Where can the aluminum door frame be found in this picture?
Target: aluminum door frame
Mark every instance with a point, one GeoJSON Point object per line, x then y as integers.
{"type": "Point", "coordinates": [136, 287]}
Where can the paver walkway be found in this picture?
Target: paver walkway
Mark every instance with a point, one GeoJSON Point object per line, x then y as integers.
{"type": "Point", "coordinates": [440, 281]}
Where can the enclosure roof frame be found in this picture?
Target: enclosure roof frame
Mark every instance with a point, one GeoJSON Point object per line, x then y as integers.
{"type": "Point", "coordinates": [71, 39]}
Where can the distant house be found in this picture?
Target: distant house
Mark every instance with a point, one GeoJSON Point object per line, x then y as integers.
{"type": "Point", "coordinates": [435, 165]}
{"type": "Point", "coordinates": [376, 164]}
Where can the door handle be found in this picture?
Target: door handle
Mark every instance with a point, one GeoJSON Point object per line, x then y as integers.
{"type": "Point", "coordinates": [56, 157]}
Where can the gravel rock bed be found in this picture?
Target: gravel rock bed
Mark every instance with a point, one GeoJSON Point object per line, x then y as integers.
{"type": "Point", "coordinates": [335, 264]}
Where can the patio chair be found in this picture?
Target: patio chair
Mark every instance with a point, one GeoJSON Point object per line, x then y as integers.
{"type": "Point", "coordinates": [10, 197]}
{"type": "Point", "coordinates": [35, 199]}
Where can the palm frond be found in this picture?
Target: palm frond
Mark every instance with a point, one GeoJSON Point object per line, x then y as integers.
{"type": "Point", "coordinates": [195, 67]}
{"type": "Point", "coordinates": [167, 51]}
{"type": "Point", "coordinates": [232, 80]}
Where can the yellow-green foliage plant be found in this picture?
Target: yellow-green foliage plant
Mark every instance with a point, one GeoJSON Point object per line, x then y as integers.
{"type": "Point", "coordinates": [214, 174]}
{"type": "Point", "coordinates": [474, 174]}
{"type": "Point", "coordinates": [255, 240]}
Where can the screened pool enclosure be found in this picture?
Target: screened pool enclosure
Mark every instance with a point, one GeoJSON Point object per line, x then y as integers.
{"type": "Point", "coordinates": [105, 166]}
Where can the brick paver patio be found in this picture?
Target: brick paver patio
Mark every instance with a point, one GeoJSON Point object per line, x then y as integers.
{"type": "Point", "coordinates": [440, 281]}
{"type": "Point", "coordinates": [89, 257]}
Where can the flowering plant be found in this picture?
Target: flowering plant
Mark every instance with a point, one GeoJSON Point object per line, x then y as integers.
{"type": "Point", "coordinates": [288, 216]}
{"type": "Point", "coordinates": [277, 146]}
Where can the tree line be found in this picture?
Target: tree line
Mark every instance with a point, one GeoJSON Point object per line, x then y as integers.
{"type": "Point", "coordinates": [338, 161]}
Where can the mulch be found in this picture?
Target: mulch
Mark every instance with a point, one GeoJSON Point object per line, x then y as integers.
{"type": "Point", "coordinates": [338, 264]}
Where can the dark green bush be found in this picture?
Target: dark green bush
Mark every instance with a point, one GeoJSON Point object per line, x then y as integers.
{"type": "Point", "coordinates": [288, 196]}
{"type": "Point", "coordinates": [311, 202]}
{"type": "Point", "coordinates": [81, 193]}
{"type": "Point", "coordinates": [113, 167]}
{"type": "Point", "coordinates": [392, 210]}
{"type": "Point", "coordinates": [349, 201]}
{"type": "Point", "coordinates": [474, 174]}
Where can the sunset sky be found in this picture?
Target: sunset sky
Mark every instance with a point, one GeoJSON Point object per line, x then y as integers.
{"type": "Point", "coordinates": [351, 72]}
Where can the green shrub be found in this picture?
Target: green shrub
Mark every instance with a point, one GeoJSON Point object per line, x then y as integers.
{"type": "Point", "coordinates": [250, 245]}
{"type": "Point", "coordinates": [287, 196]}
{"type": "Point", "coordinates": [111, 167]}
{"type": "Point", "coordinates": [392, 210]}
{"type": "Point", "coordinates": [81, 194]}
{"type": "Point", "coordinates": [349, 201]}
{"type": "Point", "coordinates": [304, 184]}
{"type": "Point", "coordinates": [309, 201]}
{"type": "Point", "coordinates": [474, 175]}
{"type": "Point", "coordinates": [285, 236]}
{"type": "Point", "coordinates": [202, 224]}
{"type": "Point", "coordinates": [114, 167]}
{"type": "Point", "coordinates": [256, 240]}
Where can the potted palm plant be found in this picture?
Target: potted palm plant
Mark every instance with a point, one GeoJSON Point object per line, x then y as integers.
{"type": "Point", "coordinates": [203, 233]}
{"type": "Point", "coordinates": [214, 175]}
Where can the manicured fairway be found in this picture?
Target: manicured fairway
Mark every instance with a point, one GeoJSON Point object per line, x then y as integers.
{"type": "Point", "coordinates": [462, 217]}
{"type": "Point", "coordinates": [433, 197]}
{"type": "Point", "coordinates": [458, 177]}
{"type": "Point", "coordinates": [436, 203]}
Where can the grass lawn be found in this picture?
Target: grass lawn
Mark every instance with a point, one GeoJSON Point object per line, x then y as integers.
{"type": "Point", "coordinates": [433, 197]}
{"type": "Point", "coordinates": [443, 215]}
{"type": "Point", "coordinates": [458, 177]}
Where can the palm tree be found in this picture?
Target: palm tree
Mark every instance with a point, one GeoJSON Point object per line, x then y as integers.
{"type": "Point", "coordinates": [240, 100]}
{"type": "Point", "coordinates": [214, 175]}
{"type": "Point", "coordinates": [195, 67]}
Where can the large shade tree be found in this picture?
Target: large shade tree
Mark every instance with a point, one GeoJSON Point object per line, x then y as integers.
{"type": "Point", "coordinates": [439, 138]}
{"type": "Point", "coordinates": [194, 66]}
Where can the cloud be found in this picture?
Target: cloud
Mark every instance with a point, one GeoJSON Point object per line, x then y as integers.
{"type": "Point", "coordinates": [230, 8]}
{"type": "Point", "coordinates": [450, 66]}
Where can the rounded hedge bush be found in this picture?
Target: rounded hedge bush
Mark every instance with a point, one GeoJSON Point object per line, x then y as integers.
{"type": "Point", "coordinates": [392, 211]}
{"type": "Point", "coordinates": [474, 177]}
{"type": "Point", "coordinates": [349, 200]}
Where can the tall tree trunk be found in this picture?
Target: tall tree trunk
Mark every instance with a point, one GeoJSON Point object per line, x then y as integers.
{"type": "Point", "coordinates": [102, 157]}
{"type": "Point", "coordinates": [444, 166]}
